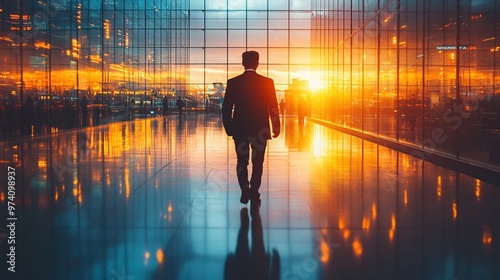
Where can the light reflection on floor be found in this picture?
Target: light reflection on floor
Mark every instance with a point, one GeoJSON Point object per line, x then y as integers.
{"type": "Point", "coordinates": [158, 199]}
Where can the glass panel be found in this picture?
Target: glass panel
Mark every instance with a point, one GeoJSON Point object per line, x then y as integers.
{"type": "Point", "coordinates": [216, 55]}
{"type": "Point", "coordinates": [237, 38]}
{"type": "Point", "coordinates": [278, 20]}
{"type": "Point", "coordinates": [278, 55]}
{"type": "Point", "coordinates": [237, 20]}
{"type": "Point", "coordinates": [195, 38]}
{"type": "Point", "coordinates": [300, 38]}
{"type": "Point", "coordinates": [257, 20]}
{"type": "Point", "coordinates": [278, 38]}
{"type": "Point", "coordinates": [216, 38]}
{"type": "Point", "coordinates": [300, 56]}
{"type": "Point", "coordinates": [235, 55]}
{"type": "Point", "coordinates": [257, 38]}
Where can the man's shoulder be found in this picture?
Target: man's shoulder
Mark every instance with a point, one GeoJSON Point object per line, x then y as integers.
{"type": "Point", "coordinates": [251, 76]}
{"type": "Point", "coordinates": [264, 78]}
{"type": "Point", "coordinates": [235, 78]}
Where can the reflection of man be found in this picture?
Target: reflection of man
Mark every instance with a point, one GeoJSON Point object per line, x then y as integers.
{"type": "Point", "coordinates": [253, 99]}
{"type": "Point", "coordinates": [255, 263]}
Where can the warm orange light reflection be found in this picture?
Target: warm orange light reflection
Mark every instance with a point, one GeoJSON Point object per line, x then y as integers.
{"type": "Point", "coordinates": [393, 227]}
{"type": "Point", "coordinates": [454, 210]}
{"type": "Point", "coordinates": [478, 190]}
{"type": "Point", "coordinates": [405, 193]}
{"type": "Point", "coordinates": [341, 223]}
{"type": "Point", "coordinates": [2, 197]}
{"type": "Point", "coordinates": [42, 45]}
{"type": "Point", "coordinates": [357, 248]}
{"type": "Point", "coordinates": [374, 211]}
{"type": "Point", "coordinates": [439, 189]}
{"type": "Point", "coordinates": [391, 234]}
{"type": "Point", "coordinates": [346, 234]}
{"type": "Point", "coordinates": [366, 224]}
{"type": "Point", "coordinates": [42, 163]}
{"type": "Point", "coordinates": [487, 237]}
{"type": "Point", "coordinates": [146, 255]}
{"type": "Point", "coordinates": [127, 181]}
{"type": "Point", "coordinates": [325, 252]}
{"type": "Point", "coordinates": [159, 256]}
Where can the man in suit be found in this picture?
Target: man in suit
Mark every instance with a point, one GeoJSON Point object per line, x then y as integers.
{"type": "Point", "coordinates": [249, 102]}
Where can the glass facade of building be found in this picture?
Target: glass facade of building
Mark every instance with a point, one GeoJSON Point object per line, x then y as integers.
{"type": "Point", "coordinates": [417, 72]}
{"type": "Point", "coordinates": [112, 52]}
{"type": "Point", "coordinates": [422, 73]}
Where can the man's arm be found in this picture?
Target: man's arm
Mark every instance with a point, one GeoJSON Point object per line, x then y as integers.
{"type": "Point", "coordinates": [227, 110]}
{"type": "Point", "coordinates": [274, 111]}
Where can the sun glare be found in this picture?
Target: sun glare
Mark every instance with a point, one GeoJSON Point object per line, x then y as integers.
{"type": "Point", "coordinates": [315, 84]}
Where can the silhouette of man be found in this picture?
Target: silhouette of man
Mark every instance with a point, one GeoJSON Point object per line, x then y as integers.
{"type": "Point", "coordinates": [253, 99]}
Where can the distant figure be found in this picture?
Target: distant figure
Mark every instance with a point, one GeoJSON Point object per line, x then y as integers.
{"type": "Point", "coordinates": [282, 108]}
{"type": "Point", "coordinates": [28, 114]}
{"type": "Point", "coordinates": [85, 110]}
{"type": "Point", "coordinates": [165, 105]}
{"type": "Point", "coordinates": [41, 116]}
{"type": "Point", "coordinates": [180, 105]}
{"type": "Point", "coordinates": [302, 109]}
{"type": "Point", "coordinates": [253, 99]}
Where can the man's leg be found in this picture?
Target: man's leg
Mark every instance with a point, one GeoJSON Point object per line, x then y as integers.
{"type": "Point", "coordinates": [258, 152]}
{"type": "Point", "coordinates": [243, 155]}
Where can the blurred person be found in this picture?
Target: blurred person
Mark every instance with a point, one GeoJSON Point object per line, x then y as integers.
{"type": "Point", "coordinates": [282, 108]}
{"type": "Point", "coordinates": [180, 105]}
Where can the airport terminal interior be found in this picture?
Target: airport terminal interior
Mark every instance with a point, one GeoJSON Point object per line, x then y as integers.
{"type": "Point", "coordinates": [387, 165]}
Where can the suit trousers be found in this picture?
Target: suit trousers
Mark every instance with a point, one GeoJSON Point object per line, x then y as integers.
{"type": "Point", "coordinates": [258, 147]}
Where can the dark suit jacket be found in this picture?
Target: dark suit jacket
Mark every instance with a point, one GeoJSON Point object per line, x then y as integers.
{"type": "Point", "coordinates": [253, 98]}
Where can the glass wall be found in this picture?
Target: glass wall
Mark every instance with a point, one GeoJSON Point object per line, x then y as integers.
{"type": "Point", "coordinates": [64, 61]}
{"type": "Point", "coordinates": [279, 30]}
{"type": "Point", "coordinates": [419, 72]}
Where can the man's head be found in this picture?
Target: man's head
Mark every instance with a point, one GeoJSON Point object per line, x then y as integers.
{"type": "Point", "coordinates": [250, 59]}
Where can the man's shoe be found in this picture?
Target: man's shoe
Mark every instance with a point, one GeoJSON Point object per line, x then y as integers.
{"type": "Point", "coordinates": [245, 195]}
{"type": "Point", "coordinates": [255, 196]}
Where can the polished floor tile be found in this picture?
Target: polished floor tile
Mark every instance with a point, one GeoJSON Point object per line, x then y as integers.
{"type": "Point", "coordinates": [158, 199]}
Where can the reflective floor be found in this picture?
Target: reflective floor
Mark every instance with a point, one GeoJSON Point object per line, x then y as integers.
{"type": "Point", "coordinates": [158, 199]}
